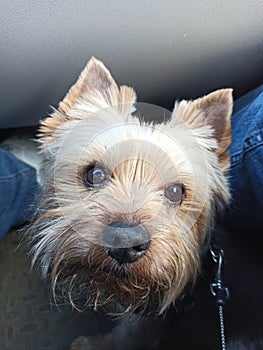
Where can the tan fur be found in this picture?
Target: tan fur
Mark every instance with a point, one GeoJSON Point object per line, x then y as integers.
{"type": "Point", "coordinates": [94, 124]}
{"type": "Point", "coordinates": [97, 89]}
{"type": "Point", "coordinates": [215, 110]}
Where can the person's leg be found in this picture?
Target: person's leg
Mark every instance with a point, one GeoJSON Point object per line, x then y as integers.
{"type": "Point", "coordinates": [18, 189]}
{"type": "Point", "coordinates": [246, 172]}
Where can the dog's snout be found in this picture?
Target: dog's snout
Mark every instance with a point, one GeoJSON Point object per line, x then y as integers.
{"type": "Point", "coordinates": [126, 242]}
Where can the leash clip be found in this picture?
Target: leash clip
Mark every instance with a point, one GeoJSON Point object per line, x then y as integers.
{"type": "Point", "coordinates": [217, 287]}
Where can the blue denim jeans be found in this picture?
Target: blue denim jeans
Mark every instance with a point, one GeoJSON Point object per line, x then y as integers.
{"type": "Point", "coordinates": [18, 189]}
{"type": "Point", "coordinates": [246, 172]}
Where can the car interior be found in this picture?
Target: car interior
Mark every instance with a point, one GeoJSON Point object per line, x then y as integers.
{"type": "Point", "coordinates": [167, 51]}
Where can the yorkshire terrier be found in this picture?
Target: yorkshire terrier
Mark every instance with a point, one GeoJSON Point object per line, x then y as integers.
{"type": "Point", "coordinates": [127, 204]}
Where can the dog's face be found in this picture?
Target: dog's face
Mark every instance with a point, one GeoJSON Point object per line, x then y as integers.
{"type": "Point", "coordinates": [127, 205]}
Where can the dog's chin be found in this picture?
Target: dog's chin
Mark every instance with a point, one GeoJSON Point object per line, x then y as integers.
{"type": "Point", "coordinates": [118, 295]}
{"type": "Point", "coordinates": [115, 289]}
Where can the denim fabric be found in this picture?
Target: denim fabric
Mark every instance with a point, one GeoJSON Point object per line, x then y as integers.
{"type": "Point", "coordinates": [18, 189]}
{"type": "Point", "coordinates": [246, 173]}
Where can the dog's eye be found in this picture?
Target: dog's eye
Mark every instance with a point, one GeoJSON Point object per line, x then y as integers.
{"type": "Point", "coordinates": [174, 193]}
{"type": "Point", "coordinates": [94, 176]}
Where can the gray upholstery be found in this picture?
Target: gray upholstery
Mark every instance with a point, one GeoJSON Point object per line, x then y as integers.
{"type": "Point", "coordinates": [165, 49]}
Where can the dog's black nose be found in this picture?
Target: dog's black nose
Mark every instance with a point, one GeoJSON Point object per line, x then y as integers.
{"type": "Point", "coordinates": [128, 255]}
{"type": "Point", "coordinates": [126, 243]}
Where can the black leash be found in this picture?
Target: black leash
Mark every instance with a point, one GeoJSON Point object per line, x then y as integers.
{"type": "Point", "coordinates": [219, 291]}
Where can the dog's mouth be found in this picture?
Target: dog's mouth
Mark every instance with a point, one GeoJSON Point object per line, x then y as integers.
{"type": "Point", "coordinates": [101, 282]}
{"type": "Point", "coordinates": [97, 279]}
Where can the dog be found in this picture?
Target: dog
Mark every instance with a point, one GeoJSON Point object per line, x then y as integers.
{"type": "Point", "coordinates": [128, 205]}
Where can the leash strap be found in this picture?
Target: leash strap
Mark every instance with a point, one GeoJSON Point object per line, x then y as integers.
{"type": "Point", "coordinates": [219, 291]}
{"type": "Point", "coordinates": [222, 327]}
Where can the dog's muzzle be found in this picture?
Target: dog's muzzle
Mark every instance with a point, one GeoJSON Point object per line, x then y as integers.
{"type": "Point", "coordinates": [126, 243]}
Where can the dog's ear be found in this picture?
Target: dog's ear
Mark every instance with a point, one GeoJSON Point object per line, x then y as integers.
{"type": "Point", "coordinates": [214, 110]}
{"type": "Point", "coordinates": [97, 89]}
{"type": "Point", "coordinates": [94, 90]}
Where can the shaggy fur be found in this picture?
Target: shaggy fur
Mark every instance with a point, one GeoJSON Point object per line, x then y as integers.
{"type": "Point", "coordinates": [96, 123]}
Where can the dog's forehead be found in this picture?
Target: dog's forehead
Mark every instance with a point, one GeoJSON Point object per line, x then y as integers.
{"type": "Point", "coordinates": [171, 151]}
{"type": "Point", "coordinates": [132, 141]}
